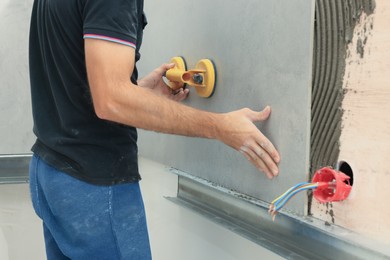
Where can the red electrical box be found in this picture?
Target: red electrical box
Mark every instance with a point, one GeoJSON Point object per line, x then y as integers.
{"type": "Point", "coordinates": [337, 186]}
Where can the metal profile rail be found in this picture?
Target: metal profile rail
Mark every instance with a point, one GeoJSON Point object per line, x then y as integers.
{"type": "Point", "coordinates": [14, 168]}
{"type": "Point", "coordinates": [291, 236]}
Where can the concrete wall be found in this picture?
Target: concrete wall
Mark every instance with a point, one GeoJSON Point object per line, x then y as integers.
{"type": "Point", "coordinates": [263, 55]}
{"type": "Point", "coordinates": [15, 109]}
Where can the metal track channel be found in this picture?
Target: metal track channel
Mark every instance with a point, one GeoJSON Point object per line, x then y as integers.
{"type": "Point", "coordinates": [291, 236]}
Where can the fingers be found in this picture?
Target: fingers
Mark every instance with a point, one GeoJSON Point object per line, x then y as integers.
{"type": "Point", "coordinates": [268, 147]}
{"type": "Point", "coordinates": [262, 140]}
{"type": "Point", "coordinates": [164, 67]}
{"type": "Point", "coordinates": [266, 158]}
{"type": "Point", "coordinates": [261, 159]}
{"type": "Point", "coordinates": [249, 140]}
{"type": "Point", "coordinates": [167, 66]}
{"type": "Point", "coordinates": [180, 94]}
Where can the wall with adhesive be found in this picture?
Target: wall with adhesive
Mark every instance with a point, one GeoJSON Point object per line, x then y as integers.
{"type": "Point", "coordinates": [263, 55]}
{"type": "Point", "coordinates": [364, 135]}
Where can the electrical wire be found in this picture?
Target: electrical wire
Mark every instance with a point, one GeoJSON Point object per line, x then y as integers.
{"type": "Point", "coordinates": [289, 190]}
{"type": "Point", "coordinates": [280, 201]}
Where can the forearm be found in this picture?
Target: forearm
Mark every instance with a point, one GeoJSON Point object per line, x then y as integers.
{"type": "Point", "coordinates": [116, 99]}
{"type": "Point", "coordinates": [138, 107]}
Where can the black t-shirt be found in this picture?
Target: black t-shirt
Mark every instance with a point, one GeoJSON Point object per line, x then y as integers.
{"type": "Point", "coordinates": [70, 137]}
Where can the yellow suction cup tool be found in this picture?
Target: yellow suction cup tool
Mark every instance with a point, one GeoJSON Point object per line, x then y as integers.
{"type": "Point", "coordinates": [205, 80]}
{"type": "Point", "coordinates": [176, 74]}
{"type": "Point", "coordinates": [202, 77]}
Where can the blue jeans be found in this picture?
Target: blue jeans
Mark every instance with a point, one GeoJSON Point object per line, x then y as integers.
{"type": "Point", "coordinates": [84, 221]}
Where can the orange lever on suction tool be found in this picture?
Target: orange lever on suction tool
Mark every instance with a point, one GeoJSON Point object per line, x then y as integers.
{"type": "Point", "coordinates": [202, 77]}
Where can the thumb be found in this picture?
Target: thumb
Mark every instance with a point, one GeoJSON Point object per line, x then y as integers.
{"type": "Point", "coordinates": [164, 67]}
{"type": "Point", "coordinates": [168, 66]}
{"type": "Point", "coordinates": [262, 115]}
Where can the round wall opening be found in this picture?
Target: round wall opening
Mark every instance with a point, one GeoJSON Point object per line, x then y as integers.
{"type": "Point", "coordinates": [345, 168]}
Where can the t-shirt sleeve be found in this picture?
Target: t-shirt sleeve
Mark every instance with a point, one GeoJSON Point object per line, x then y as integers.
{"type": "Point", "coordinates": [111, 20]}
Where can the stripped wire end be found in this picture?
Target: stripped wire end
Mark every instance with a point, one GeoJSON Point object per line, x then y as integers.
{"type": "Point", "coordinates": [272, 211]}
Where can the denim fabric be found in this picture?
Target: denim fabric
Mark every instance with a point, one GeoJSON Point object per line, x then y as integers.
{"type": "Point", "coordinates": [85, 221]}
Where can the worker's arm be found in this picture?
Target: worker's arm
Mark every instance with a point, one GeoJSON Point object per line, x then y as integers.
{"type": "Point", "coordinates": [115, 98]}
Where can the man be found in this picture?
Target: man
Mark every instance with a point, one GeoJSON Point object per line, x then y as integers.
{"type": "Point", "coordinates": [84, 172]}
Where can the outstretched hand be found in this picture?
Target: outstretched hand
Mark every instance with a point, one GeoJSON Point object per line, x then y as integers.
{"type": "Point", "coordinates": [154, 81]}
{"type": "Point", "coordinates": [239, 132]}
{"type": "Point", "coordinates": [236, 130]}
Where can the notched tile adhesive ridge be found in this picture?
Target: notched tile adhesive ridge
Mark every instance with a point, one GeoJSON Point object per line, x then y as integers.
{"type": "Point", "coordinates": [334, 26]}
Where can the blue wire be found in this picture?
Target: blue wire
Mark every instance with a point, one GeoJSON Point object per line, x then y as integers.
{"type": "Point", "coordinates": [292, 194]}
{"type": "Point", "coordinates": [289, 190]}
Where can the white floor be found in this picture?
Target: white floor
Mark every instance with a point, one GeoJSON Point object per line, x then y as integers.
{"type": "Point", "coordinates": [175, 232]}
